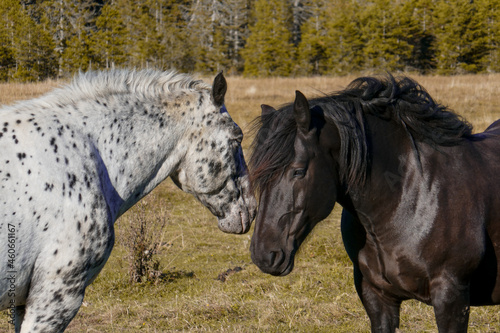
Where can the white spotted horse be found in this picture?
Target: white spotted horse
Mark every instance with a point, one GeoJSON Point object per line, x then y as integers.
{"type": "Point", "coordinates": [76, 159]}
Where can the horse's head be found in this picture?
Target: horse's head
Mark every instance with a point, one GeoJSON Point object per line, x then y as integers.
{"type": "Point", "coordinates": [298, 189]}
{"type": "Point", "coordinates": [214, 169]}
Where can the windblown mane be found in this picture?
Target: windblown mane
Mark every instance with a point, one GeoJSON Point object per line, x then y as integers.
{"type": "Point", "coordinates": [94, 84]}
{"type": "Point", "coordinates": [399, 99]}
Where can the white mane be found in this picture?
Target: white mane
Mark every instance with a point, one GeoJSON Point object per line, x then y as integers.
{"type": "Point", "coordinates": [97, 84]}
{"type": "Point", "coordinates": [150, 83]}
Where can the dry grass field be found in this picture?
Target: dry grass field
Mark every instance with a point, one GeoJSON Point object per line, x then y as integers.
{"type": "Point", "coordinates": [199, 294]}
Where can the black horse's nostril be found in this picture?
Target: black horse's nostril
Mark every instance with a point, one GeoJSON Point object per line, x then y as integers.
{"type": "Point", "coordinates": [275, 258]}
{"type": "Point", "coordinates": [270, 257]}
{"type": "Point", "coordinates": [269, 261]}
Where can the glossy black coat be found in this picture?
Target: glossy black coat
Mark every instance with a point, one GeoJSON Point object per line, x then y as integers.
{"type": "Point", "coordinates": [421, 217]}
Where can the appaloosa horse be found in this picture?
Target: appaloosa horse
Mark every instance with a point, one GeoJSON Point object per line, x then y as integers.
{"type": "Point", "coordinates": [421, 216]}
{"type": "Point", "coordinates": [76, 159]}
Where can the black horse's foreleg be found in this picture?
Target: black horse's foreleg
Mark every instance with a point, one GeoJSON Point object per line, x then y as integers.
{"type": "Point", "coordinates": [451, 306]}
{"type": "Point", "coordinates": [382, 310]}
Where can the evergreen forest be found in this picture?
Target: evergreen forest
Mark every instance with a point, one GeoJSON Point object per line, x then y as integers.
{"type": "Point", "coordinates": [44, 39]}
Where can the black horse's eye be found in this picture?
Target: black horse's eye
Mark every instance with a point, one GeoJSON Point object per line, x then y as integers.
{"type": "Point", "coordinates": [299, 173]}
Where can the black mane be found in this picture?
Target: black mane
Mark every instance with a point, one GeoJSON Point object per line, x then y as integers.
{"type": "Point", "coordinates": [400, 99]}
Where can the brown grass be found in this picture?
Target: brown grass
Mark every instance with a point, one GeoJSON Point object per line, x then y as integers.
{"type": "Point", "coordinates": [11, 92]}
{"type": "Point", "coordinates": [318, 296]}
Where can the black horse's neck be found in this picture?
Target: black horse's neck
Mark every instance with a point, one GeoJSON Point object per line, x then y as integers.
{"type": "Point", "coordinates": [392, 154]}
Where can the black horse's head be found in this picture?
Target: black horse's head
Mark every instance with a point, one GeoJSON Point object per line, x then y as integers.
{"type": "Point", "coordinates": [293, 167]}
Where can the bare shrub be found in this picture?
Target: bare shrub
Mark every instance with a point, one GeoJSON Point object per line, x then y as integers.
{"type": "Point", "coordinates": [142, 238]}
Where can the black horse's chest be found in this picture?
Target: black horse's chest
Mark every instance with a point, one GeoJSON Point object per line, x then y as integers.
{"type": "Point", "coordinates": [395, 272]}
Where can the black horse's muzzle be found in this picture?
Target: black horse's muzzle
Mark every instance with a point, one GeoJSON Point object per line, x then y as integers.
{"type": "Point", "coordinates": [276, 262]}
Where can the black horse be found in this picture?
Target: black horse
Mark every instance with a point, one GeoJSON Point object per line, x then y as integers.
{"type": "Point", "coordinates": [420, 193]}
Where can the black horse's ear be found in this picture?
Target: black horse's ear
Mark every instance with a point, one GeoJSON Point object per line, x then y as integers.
{"type": "Point", "coordinates": [266, 109]}
{"type": "Point", "coordinates": [219, 89]}
{"type": "Point", "coordinates": [301, 112]}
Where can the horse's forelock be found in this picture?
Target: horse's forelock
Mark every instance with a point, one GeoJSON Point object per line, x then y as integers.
{"type": "Point", "coordinates": [273, 144]}
{"type": "Point", "coordinates": [272, 147]}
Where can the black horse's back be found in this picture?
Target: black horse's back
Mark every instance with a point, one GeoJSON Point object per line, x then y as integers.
{"type": "Point", "coordinates": [494, 127]}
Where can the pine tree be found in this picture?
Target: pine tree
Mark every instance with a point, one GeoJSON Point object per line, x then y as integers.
{"type": "Point", "coordinates": [144, 20]}
{"type": "Point", "coordinates": [312, 49]}
{"type": "Point", "coordinates": [422, 40]}
{"type": "Point", "coordinates": [72, 23]}
{"type": "Point", "coordinates": [236, 21]}
{"type": "Point", "coordinates": [176, 40]}
{"type": "Point", "coordinates": [58, 27]}
{"type": "Point", "coordinates": [109, 40]}
{"type": "Point", "coordinates": [78, 54]}
{"type": "Point", "coordinates": [212, 56]}
{"type": "Point", "coordinates": [150, 48]}
{"type": "Point", "coordinates": [385, 33]}
{"type": "Point", "coordinates": [207, 19]}
{"type": "Point", "coordinates": [36, 60]}
{"type": "Point", "coordinates": [221, 30]}
{"type": "Point", "coordinates": [461, 37]}
{"type": "Point", "coordinates": [345, 50]}
{"type": "Point", "coordinates": [7, 59]}
{"type": "Point", "coordinates": [489, 12]}
{"type": "Point", "coordinates": [301, 10]}
{"type": "Point", "coordinates": [268, 51]}
{"type": "Point", "coordinates": [27, 52]}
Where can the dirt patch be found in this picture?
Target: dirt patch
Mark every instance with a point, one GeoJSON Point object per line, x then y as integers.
{"type": "Point", "coordinates": [225, 275]}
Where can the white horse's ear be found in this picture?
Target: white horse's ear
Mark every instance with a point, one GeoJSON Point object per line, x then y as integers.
{"type": "Point", "coordinates": [219, 89]}
{"type": "Point", "coordinates": [301, 112]}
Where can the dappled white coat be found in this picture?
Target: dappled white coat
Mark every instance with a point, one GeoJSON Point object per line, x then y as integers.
{"type": "Point", "coordinates": [74, 160]}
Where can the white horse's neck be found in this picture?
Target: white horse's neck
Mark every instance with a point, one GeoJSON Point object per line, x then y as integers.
{"type": "Point", "coordinates": [137, 152]}
{"type": "Point", "coordinates": [142, 144]}
{"type": "Point", "coordinates": [135, 123]}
